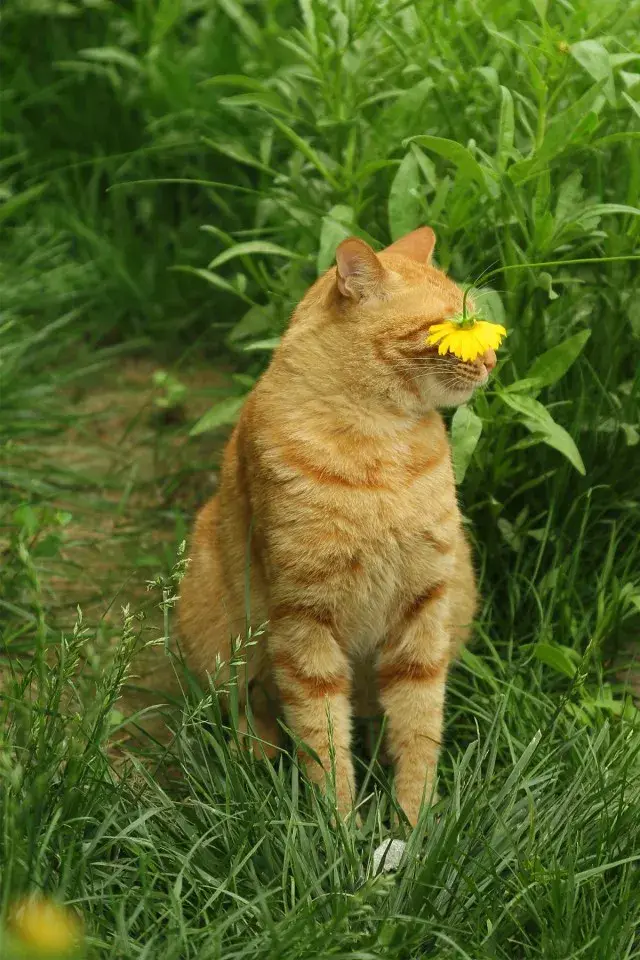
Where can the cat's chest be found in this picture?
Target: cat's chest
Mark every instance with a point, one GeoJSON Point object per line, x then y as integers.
{"type": "Point", "coordinates": [407, 547]}
{"type": "Point", "coordinates": [358, 528]}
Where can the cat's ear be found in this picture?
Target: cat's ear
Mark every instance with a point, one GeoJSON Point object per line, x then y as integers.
{"type": "Point", "coordinates": [359, 272]}
{"type": "Point", "coordinates": [417, 245]}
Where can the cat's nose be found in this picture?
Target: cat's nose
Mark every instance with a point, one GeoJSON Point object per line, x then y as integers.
{"type": "Point", "coordinates": [489, 359]}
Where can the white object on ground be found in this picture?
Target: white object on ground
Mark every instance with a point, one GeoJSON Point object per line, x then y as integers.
{"type": "Point", "coordinates": [388, 855]}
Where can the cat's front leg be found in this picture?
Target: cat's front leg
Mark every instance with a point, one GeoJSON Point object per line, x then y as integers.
{"type": "Point", "coordinates": [412, 677]}
{"type": "Point", "coordinates": [314, 682]}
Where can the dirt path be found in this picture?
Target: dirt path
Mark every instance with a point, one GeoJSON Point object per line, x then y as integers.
{"type": "Point", "coordinates": [140, 478]}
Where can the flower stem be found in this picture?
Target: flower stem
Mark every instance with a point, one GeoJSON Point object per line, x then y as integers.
{"type": "Point", "coordinates": [544, 263]}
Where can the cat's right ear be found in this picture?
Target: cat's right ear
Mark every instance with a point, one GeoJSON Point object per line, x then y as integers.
{"type": "Point", "coordinates": [417, 245]}
{"type": "Point", "coordinates": [359, 273]}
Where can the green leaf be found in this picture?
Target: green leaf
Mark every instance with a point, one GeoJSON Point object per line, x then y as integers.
{"type": "Point", "coordinates": [257, 319]}
{"type": "Point", "coordinates": [570, 194]}
{"type": "Point", "coordinates": [233, 80]}
{"type": "Point", "coordinates": [112, 55]}
{"type": "Point", "coordinates": [506, 128]}
{"type": "Point", "coordinates": [635, 106]}
{"type": "Point", "coordinates": [306, 150]}
{"type": "Point", "coordinates": [237, 152]}
{"type": "Point", "coordinates": [595, 59]}
{"type": "Point", "coordinates": [622, 59]}
{"type": "Point", "coordinates": [466, 428]}
{"type": "Point", "coordinates": [550, 366]}
{"type": "Point", "coordinates": [336, 226]}
{"type": "Point", "coordinates": [26, 518]}
{"type": "Point", "coordinates": [245, 24]}
{"type": "Point", "coordinates": [626, 136]}
{"type": "Point", "coordinates": [477, 666]}
{"type": "Point", "coordinates": [404, 114]}
{"type": "Point", "coordinates": [541, 8]}
{"type": "Point", "coordinates": [269, 344]}
{"type": "Point", "coordinates": [252, 247]}
{"type": "Point", "coordinates": [367, 170]}
{"type": "Point", "coordinates": [560, 658]}
{"type": "Point", "coordinates": [489, 304]}
{"type": "Point", "coordinates": [19, 200]}
{"type": "Point", "coordinates": [216, 232]}
{"type": "Point", "coordinates": [263, 98]}
{"type": "Point", "coordinates": [631, 434]}
{"type": "Point", "coordinates": [168, 12]}
{"type": "Point", "coordinates": [212, 278]}
{"type": "Point", "coordinates": [557, 437]}
{"type": "Point", "coordinates": [405, 208]}
{"type": "Point", "coordinates": [49, 546]}
{"type": "Point", "coordinates": [427, 166]}
{"type": "Point", "coordinates": [564, 125]}
{"type": "Point", "coordinates": [537, 419]}
{"type": "Point", "coordinates": [510, 534]}
{"type": "Point", "coordinates": [490, 74]}
{"type": "Point", "coordinates": [560, 132]}
{"type": "Point", "coordinates": [306, 8]}
{"type": "Point", "coordinates": [545, 282]}
{"type": "Point", "coordinates": [220, 415]}
{"type": "Point", "coordinates": [604, 209]}
{"type": "Point", "coordinates": [633, 313]}
{"type": "Point", "coordinates": [459, 155]}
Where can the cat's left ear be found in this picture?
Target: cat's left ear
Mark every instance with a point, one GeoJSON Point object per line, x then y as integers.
{"type": "Point", "coordinates": [417, 245]}
{"type": "Point", "coordinates": [359, 273]}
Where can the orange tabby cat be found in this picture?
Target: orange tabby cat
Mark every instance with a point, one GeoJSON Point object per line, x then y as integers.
{"type": "Point", "coordinates": [339, 476]}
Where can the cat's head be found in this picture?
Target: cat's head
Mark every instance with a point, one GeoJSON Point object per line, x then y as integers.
{"type": "Point", "coordinates": [387, 303]}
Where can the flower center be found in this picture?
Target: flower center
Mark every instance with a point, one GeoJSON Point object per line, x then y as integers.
{"type": "Point", "coordinates": [466, 323]}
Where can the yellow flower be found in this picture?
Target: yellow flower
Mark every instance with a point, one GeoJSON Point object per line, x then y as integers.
{"type": "Point", "coordinates": [468, 339]}
{"type": "Point", "coordinates": [46, 928]}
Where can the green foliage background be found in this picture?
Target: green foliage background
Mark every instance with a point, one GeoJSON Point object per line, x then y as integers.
{"type": "Point", "coordinates": [174, 174]}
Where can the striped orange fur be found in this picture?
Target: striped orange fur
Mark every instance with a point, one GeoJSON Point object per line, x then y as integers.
{"type": "Point", "coordinates": [340, 466]}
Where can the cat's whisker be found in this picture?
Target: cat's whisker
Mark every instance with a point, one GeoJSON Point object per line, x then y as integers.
{"type": "Point", "coordinates": [430, 358]}
{"type": "Point", "coordinates": [426, 362]}
{"type": "Point", "coordinates": [443, 361]}
{"type": "Point", "coordinates": [448, 382]}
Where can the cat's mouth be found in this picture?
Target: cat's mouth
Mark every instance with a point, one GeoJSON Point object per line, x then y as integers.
{"type": "Point", "coordinates": [469, 374]}
{"type": "Point", "coordinates": [460, 374]}
{"type": "Point", "coordinates": [474, 374]}
{"type": "Point", "coordinates": [459, 379]}
{"type": "Point", "coordinates": [446, 372]}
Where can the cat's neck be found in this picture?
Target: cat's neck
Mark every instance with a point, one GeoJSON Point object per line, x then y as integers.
{"type": "Point", "coordinates": [318, 390]}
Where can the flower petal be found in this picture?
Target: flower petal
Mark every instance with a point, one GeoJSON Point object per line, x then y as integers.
{"type": "Point", "coordinates": [491, 332]}
{"type": "Point", "coordinates": [446, 326]}
{"type": "Point", "coordinates": [438, 331]}
{"type": "Point", "coordinates": [466, 343]}
{"type": "Point", "coordinates": [444, 346]}
{"type": "Point", "coordinates": [472, 348]}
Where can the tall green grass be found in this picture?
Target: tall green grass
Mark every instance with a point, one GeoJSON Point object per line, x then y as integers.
{"type": "Point", "coordinates": [175, 174]}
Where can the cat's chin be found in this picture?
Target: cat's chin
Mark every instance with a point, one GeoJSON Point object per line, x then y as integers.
{"type": "Point", "coordinates": [455, 396]}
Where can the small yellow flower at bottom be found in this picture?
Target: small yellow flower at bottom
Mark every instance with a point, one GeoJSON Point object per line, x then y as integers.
{"type": "Point", "coordinates": [468, 341]}
{"type": "Point", "coordinates": [45, 928]}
